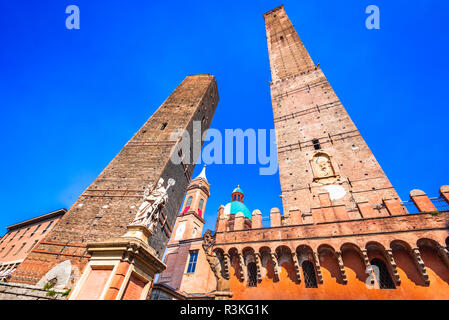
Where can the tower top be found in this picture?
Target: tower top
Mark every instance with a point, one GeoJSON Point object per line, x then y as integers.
{"type": "Point", "coordinates": [273, 10]}
{"type": "Point", "coordinates": [237, 194]}
{"type": "Point", "coordinates": [202, 175]}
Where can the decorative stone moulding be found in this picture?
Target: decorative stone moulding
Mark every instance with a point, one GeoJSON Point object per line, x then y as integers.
{"type": "Point", "coordinates": [118, 264]}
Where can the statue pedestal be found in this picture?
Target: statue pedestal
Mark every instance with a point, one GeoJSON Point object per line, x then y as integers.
{"type": "Point", "coordinates": [138, 232]}
{"type": "Point", "coordinates": [223, 295]}
{"type": "Point", "coordinates": [121, 268]}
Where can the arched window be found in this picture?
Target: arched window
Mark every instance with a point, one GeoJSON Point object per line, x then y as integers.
{"type": "Point", "coordinates": [384, 278]}
{"type": "Point", "coordinates": [201, 204]}
{"type": "Point", "coordinates": [309, 274]}
{"type": "Point", "coordinates": [252, 274]}
{"type": "Point", "coordinates": [189, 201]}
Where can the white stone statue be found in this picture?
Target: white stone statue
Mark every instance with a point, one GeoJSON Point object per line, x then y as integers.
{"type": "Point", "coordinates": [153, 202]}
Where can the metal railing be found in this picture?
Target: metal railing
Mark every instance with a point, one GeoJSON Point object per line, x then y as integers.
{"type": "Point", "coordinates": [439, 203]}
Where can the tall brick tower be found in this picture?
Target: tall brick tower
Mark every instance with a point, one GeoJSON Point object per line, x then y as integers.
{"type": "Point", "coordinates": [111, 202]}
{"type": "Point", "coordinates": [322, 156]}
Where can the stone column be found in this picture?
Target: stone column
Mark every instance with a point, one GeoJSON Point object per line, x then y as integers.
{"type": "Point", "coordinates": [390, 259]}
{"type": "Point", "coordinates": [420, 264]}
{"type": "Point", "coordinates": [296, 264]}
{"type": "Point", "coordinates": [243, 272]}
{"type": "Point", "coordinates": [274, 259]}
{"type": "Point", "coordinates": [318, 267]}
{"type": "Point", "coordinates": [341, 266]}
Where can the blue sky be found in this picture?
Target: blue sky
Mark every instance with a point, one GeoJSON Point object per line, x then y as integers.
{"type": "Point", "coordinates": [71, 99]}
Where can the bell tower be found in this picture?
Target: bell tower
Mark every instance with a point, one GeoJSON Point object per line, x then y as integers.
{"type": "Point", "coordinates": [190, 222]}
{"type": "Point", "coordinates": [323, 159]}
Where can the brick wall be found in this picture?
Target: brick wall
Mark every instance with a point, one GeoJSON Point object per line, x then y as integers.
{"type": "Point", "coordinates": [110, 203]}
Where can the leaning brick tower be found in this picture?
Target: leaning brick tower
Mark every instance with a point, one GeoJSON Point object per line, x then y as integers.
{"type": "Point", "coordinates": [110, 203]}
{"type": "Point", "coordinates": [322, 156]}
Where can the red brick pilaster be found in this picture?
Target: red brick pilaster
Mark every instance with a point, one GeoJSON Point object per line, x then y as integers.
{"type": "Point", "coordinates": [222, 223]}
{"type": "Point", "coordinates": [444, 192]}
{"type": "Point", "coordinates": [275, 217]}
{"type": "Point", "coordinates": [295, 217]}
{"type": "Point", "coordinates": [393, 206]}
{"type": "Point", "coordinates": [257, 219]}
{"type": "Point", "coordinates": [117, 281]}
{"type": "Point", "coordinates": [239, 223]}
{"type": "Point", "coordinates": [317, 215]}
{"type": "Point", "coordinates": [366, 209]}
{"type": "Point", "coordinates": [341, 213]}
{"type": "Point", "coordinates": [422, 201]}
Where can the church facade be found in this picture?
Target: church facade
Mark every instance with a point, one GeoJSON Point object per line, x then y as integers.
{"type": "Point", "coordinates": [344, 232]}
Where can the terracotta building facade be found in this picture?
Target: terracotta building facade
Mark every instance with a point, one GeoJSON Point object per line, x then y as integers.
{"type": "Point", "coordinates": [22, 237]}
{"type": "Point", "coordinates": [344, 232]}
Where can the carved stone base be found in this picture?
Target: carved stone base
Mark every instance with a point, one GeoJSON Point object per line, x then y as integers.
{"type": "Point", "coordinates": [119, 264]}
{"type": "Point", "coordinates": [223, 295]}
{"type": "Point", "coordinates": [138, 232]}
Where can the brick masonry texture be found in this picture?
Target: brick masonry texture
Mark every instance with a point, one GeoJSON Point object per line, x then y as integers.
{"type": "Point", "coordinates": [14, 291]}
{"type": "Point", "coordinates": [338, 238]}
{"type": "Point", "coordinates": [306, 108]}
{"type": "Point", "coordinates": [110, 203]}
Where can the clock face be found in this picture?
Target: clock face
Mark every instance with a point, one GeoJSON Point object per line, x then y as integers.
{"type": "Point", "coordinates": [180, 231]}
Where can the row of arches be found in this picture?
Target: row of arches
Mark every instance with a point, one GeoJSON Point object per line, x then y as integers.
{"type": "Point", "coordinates": [373, 266]}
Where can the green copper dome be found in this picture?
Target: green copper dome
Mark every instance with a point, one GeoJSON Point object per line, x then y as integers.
{"type": "Point", "coordinates": [235, 207]}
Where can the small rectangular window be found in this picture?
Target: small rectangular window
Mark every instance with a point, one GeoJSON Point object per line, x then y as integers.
{"type": "Point", "coordinates": [192, 261]}
{"type": "Point", "coordinates": [164, 125]}
{"type": "Point", "coordinates": [316, 144]}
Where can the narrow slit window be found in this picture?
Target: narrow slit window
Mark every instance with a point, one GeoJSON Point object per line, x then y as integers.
{"type": "Point", "coordinates": [20, 249]}
{"type": "Point", "coordinates": [48, 226]}
{"type": "Point", "coordinates": [32, 246]}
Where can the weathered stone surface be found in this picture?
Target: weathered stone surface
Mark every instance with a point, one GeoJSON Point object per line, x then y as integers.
{"type": "Point", "coordinates": [19, 291]}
